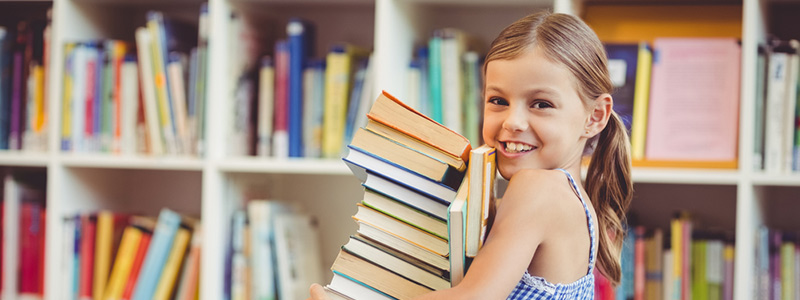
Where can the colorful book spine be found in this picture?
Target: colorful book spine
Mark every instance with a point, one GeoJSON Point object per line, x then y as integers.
{"type": "Point", "coordinates": [123, 264]}
{"type": "Point", "coordinates": [300, 39]}
{"type": "Point", "coordinates": [172, 266]}
{"type": "Point", "coordinates": [280, 135]}
{"type": "Point", "coordinates": [157, 253]}
{"type": "Point", "coordinates": [266, 102]}
{"type": "Point", "coordinates": [337, 87]}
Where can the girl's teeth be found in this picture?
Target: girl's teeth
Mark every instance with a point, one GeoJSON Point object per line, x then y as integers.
{"type": "Point", "coordinates": [516, 147]}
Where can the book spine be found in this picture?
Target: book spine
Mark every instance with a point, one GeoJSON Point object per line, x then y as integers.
{"type": "Point", "coordinates": [178, 96]}
{"type": "Point", "coordinates": [266, 103]}
{"type": "Point", "coordinates": [123, 264]}
{"type": "Point", "coordinates": [88, 237]}
{"type": "Point", "coordinates": [6, 67]}
{"type": "Point", "coordinates": [298, 38]}
{"type": "Point", "coordinates": [337, 85]}
{"type": "Point", "coordinates": [102, 254]}
{"type": "Point", "coordinates": [641, 95]}
{"type": "Point", "coordinates": [280, 135]}
{"type": "Point", "coordinates": [172, 265]}
{"type": "Point", "coordinates": [158, 54]}
{"type": "Point", "coordinates": [435, 76]}
{"type": "Point", "coordinates": [149, 98]}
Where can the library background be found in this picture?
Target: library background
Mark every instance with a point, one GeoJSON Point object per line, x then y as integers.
{"type": "Point", "coordinates": [185, 149]}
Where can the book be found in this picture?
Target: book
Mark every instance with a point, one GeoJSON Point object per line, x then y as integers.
{"type": "Point", "coordinates": [157, 254]}
{"type": "Point", "coordinates": [301, 45]}
{"type": "Point", "coordinates": [363, 163]}
{"type": "Point", "coordinates": [415, 144]}
{"type": "Point", "coordinates": [353, 289]}
{"type": "Point", "coordinates": [129, 104]}
{"type": "Point", "coordinates": [376, 277]}
{"type": "Point", "coordinates": [392, 112]}
{"type": "Point", "coordinates": [146, 226]}
{"type": "Point", "coordinates": [87, 248]}
{"type": "Point", "coordinates": [313, 104]}
{"type": "Point", "coordinates": [108, 226]}
{"type": "Point", "coordinates": [366, 251]}
{"type": "Point", "coordinates": [622, 59]}
{"type": "Point", "coordinates": [482, 172]}
{"type": "Point", "coordinates": [402, 230]}
{"type": "Point", "coordinates": [338, 81]}
{"type": "Point", "coordinates": [297, 254]}
{"type": "Point", "coordinates": [399, 244]}
{"type": "Point", "coordinates": [641, 98]}
{"type": "Point", "coordinates": [702, 73]}
{"type": "Point", "coordinates": [398, 154]}
{"type": "Point", "coordinates": [405, 213]}
{"type": "Point", "coordinates": [280, 130]}
{"type": "Point", "coordinates": [415, 198]}
{"type": "Point", "coordinates": [261, 215]}
{"type": "Point", "coordinates": [148, 89]}
{"type": "Point", "coordinates": [266, 100]}
{"type": "Point", "coordinates": [190, 275]}
{"type": "Point", "coordinates": [123, 263]}
{"type": "Point", "coordinates": [173, 262]}
{"type": "Point", "coordinates": [456, 227]}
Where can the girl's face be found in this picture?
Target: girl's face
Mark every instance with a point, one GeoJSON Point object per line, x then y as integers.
{"type": "Point", "coordinates": [533, 115]}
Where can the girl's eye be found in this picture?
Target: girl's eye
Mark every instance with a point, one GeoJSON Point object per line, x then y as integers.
{"type": "Point", "coordinates": [498, 101]}
{"type": "Point", "coordinates": [541, 104]}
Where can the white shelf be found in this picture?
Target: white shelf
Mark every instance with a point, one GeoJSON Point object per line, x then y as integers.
{"type": "Point", "coordinates": [108, 161]}
{"type": "Point", "coordinates": [23, 159]}
{"type": "Point", "coordinates": [686, 176]}
{"type": "Point", "coordinates": [284, 166]}
{"type": "Point", "coordinates": [764, 179]}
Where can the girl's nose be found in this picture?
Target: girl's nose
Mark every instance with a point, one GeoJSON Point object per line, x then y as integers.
{"type": "Point", "coordinates": [515, 120]}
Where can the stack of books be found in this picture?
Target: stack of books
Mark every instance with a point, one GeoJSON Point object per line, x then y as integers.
{"type": "Point", "coordinates": [413, 170]}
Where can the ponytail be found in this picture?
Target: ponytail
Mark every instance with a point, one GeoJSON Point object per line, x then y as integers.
{"type": "Point", "coordinates": [610, 187]}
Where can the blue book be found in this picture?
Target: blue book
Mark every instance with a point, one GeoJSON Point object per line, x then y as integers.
{"type": "Point", "coordinates": [6, 41]}
{"type": "Point", "coordinates": [355, 101]}
{"type": "Point", "coordinates": [424, 95]}
{"type": "Point", "coordinates": [435, 76]}
{"type": "Point", "coordinates": [300, 37]}
{"type": "Point", "coordinates": [99, 97]}
{"type": "Point", "coordinates": [157, 252]}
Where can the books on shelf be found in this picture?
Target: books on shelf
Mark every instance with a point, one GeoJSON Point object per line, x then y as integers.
{"type": "Point", "coordinates": [110, 255]}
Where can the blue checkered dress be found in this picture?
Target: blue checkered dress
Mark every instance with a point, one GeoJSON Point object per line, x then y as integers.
{"type": "Point", "coordinates": [533, 287]}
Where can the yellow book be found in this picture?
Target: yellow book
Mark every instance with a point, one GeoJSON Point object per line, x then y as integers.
{"type": "Point", "coordinates": [104, 240]}
{"type": "Point", "coordinates": [131, 238]}
{"type": "Point", "coordinates": [170, 274]}
{"type": "Point", "coordinates": [66, 103]}
{"type": "Point", "coordinates": [482, 170]}
{"type": "Point", "coordinates": [38, 111]}
{"type": "Point", "coordinates": [677, 255]}
{"type": "Point", "coordinates": [641, 97]}
{"type": "Point", "coordinates": [338, 80]}
{"type": "Point", "coordinates": [160, 80]}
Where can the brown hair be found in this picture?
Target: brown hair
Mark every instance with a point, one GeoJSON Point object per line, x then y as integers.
{"type": "Point", "coordinates": [566, 39]}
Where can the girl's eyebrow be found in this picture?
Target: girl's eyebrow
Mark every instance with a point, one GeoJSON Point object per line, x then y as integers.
{"type": "Point", "coordinates": [530, 93]}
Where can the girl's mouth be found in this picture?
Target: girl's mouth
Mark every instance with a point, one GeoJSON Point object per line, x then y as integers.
{"type": "Point", "coordinates": [513, 147]}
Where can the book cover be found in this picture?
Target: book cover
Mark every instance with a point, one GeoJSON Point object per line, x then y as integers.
{"type": "Point", "coordinates": [482, 171]}
{"type": "Point", "coordinates": [169, 276]}
{"type": "Point", "coordinates": [405, 213]}
{"type": "Point", "coordinates": [402, 230]}
{"type": "Point", "coordinates": [280, 134]}
{"type": "Point", "coordinates": [338, 81]}
{"type": "Point", "coordinates": [297, 254]}
{"type": "Point", "coordinates": [88, 237]}
{"type": "Point", "coordinates": [313, 105]}
{"type": "Point", "coordinates": [391, 241]}
{"type": "Point", "coordinates": [177, 90]}
{"type": "Point", "coordinates": [266, 101]}
{"type": "Point", "coordinates": [190, 275]}
{"type": "Point", "coordinates": [149, 98]}
{"type": "Point", "coordinates": [415, 144]}
{"type": "Point", "coordinates": [129, 105]}
{"type": "Point", "coordinates": [407, 194]}
{"type": "Point", "coordinates": [123, 263]}
{"type": "Point", "coordinates": [138, 260]}
{"type": "Point", "coordinates": [622, 59]}
{"type": "Point", "coordinates": [353, 289]}
{"type": "Point", "coordinates": [158, 50]}
{"type": "Point", "coordinates": [641, 99]}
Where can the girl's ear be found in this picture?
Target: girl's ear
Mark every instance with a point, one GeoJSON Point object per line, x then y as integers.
{"type": "Point", "coordinates": [599, 113]}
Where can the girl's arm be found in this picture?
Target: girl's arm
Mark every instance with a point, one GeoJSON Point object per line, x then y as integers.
{"type": "Point", "coordinates": [519, 227]}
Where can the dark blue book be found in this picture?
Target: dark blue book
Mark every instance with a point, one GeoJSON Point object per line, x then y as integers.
{"type": "Point", "coordinates": [622, 59]}
{"type": "Point", "coordinates": [300, 37]}
{"type": "Point", "coordinates": [6, 40]}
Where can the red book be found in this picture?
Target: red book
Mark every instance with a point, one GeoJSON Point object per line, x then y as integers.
{"type": "Point", "coordinates": [88, 231]}
{"type": "Point", "coordinates": [30, 255]}
{"type": "Point", "coordinates": [91, 81]}
{"type": "Point", "coordinates": [137, 265]}
{"type": "Point", "coordinates": [639, 276]}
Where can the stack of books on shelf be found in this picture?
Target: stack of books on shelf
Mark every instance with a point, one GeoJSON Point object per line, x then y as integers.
{"type": "Point", "coordinates": [273, 254]}
{"type": "Point", "coordinates": [22, 236]}
{"type": "Point", "coordinates": [706, 71]}
{"type": "Point", "coordinates": [24, 52]}
{"type": "Point", "coordinates": [293, 102]}
{"type": "Point", "coordinates": [412, 221]}
{"type": "Point", "coordinates": [142, 98]}
{"type": "Point", "coordinates": [683, 263]}
{"type": "Point", "coordinates": [445, 81]}
{"type": "Point", "coordinates": [777, 262]}
{"type": "Point", "coordinates": [110, 255]}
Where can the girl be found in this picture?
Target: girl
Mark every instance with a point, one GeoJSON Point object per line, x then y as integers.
{"type": "Point", "coordinates": [547, 102]}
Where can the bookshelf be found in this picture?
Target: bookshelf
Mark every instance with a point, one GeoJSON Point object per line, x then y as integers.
{"type": "Point", "coordinates": [213, 186]}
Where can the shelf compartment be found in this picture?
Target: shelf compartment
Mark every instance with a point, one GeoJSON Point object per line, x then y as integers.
{"type": "Point", "coordinates": [711, 207]}
{"type": "Point", "coordinates": [109, 161]}
{"type": "Point", "coordinates": [686, 176]}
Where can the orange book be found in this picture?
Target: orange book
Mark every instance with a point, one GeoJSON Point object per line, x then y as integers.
{"type": "Point", "coordinates": [399, 116]}
{"type": "Point", "coordinates": [88, 232]}
{"type": "Point", "coordinates": [137, 264]}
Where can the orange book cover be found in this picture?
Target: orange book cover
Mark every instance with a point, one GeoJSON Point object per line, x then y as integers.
{"type": "Point", "coordinates": [439, 136]}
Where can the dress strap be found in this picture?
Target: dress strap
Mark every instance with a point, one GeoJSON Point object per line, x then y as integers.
{"type": "Point", "coordinates": [592, 239]}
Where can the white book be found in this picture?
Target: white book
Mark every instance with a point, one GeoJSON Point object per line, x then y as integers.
{"type": "Point", "coordinates": [401, 245]}
{"type": "Point", "coordinates": [239, 259]}
{"type": "Point", "coordinates": [297, 255]}
{"type": "Point", "coordinates": [143, 45]}
{"type": "Point", "coordinates": [456, 221]}
{"type": "Point", "coordinates": [668, 280]}
{"type": "Point", "coordinates": [177, 90]}
{"type": "Point", "coordinates": [261, 214]}
{"type": "Point", "coordinates": [129, 99]}
{"type": "Point", "coordinates": [11, 219]}
{"type": "Point", "coordinates": [452, 85]}
{"type": "Point", "coordinates": [368, 94]}
{"type": "Point", "coordinates": [789, 105]}
{"type": "Point", "coordinates": [266, 102]}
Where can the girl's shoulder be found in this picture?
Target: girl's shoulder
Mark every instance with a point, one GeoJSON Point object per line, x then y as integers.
{"type": "Point", "coordinates": [535, 188]}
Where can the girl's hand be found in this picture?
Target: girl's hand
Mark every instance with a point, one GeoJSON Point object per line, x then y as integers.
{"type": "Point", "coordinates": [317, 292]}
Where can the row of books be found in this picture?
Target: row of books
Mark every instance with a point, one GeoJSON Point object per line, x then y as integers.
{"type": "Point", "coordinates": [777, 271]}
{"type": "Point", "coordinates": [274, 253]}
{"type": "Point", "coordinates": [445, 82]}
{"type": "Point", "coordinates": [415, 226]}
{"type": "Point", "coordinates": [679, 99]}
{"type": "Point", "coordinates": [777, 132]}
{"type": "Point", "coordinates": [146, 98]}
{"type": "Point", "coordinates": [296, 104]}
{"type": "Point", "coordinates": [108, 255]}
{"type": "Point", "coordinates": [22, 236]}
{"type": "Point", "coordinates": [23, 93]}
{"type": "Point", "coordinates": [682, 263]}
